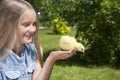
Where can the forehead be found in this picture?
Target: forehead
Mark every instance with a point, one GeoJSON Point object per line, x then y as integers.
{"type": "Point", "coordinates": [28, 15]}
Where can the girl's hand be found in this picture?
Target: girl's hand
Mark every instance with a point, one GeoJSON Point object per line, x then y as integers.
{"type": "Point", "coordinates": [57, 55]}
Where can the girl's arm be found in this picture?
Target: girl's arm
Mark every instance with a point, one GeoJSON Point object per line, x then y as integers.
{"type": "Point", "coordinates": [44, 72]}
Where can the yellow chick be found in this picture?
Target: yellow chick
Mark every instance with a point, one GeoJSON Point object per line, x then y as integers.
{"type": "Point", "coordinates": [67, 43]}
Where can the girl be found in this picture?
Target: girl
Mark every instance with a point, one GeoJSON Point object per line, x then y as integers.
{"type": "Point", "coordinates": [20, 53]}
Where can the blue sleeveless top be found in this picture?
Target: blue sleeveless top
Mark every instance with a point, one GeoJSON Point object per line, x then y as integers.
{"type": "Point", "coordinates": [19, 68]}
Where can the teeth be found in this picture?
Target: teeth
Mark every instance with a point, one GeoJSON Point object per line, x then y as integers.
{"type": "Point", "coordinates": [28, 36]}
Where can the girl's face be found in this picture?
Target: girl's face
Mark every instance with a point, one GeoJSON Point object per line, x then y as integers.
{"type": "Point", "coordinates": [26, 27]}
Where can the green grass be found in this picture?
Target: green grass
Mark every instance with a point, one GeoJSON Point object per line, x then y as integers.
{"type": "Point", "coordinates": [72, 70]}
{"type": "Point", "coordinates": [84, 73]}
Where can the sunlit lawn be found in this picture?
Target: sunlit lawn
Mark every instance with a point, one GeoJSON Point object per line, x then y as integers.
{"type": "Point", "coordinates": [70, 70]}
{"type": "Point", "coordinates": [84, 73]}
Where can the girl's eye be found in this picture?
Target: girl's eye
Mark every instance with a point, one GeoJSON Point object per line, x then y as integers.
{"type": "Point", "coordinates": [34, 24]}
{"type": "Point", "coordinates": [29, 24]}
{"type": "Point", "coordinates": [26, 24]}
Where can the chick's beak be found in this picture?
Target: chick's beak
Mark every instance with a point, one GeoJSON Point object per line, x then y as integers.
{"type": "Point", "coordinates": [83, 51]}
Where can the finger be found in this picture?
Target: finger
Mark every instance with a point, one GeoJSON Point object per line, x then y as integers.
{"type": "Point", "coordinates": [74, 50]}
{"type": "Point", "coordinates": [68, 55]}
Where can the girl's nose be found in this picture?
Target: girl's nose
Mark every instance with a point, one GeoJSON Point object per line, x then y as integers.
{"type": "Point", "coordinates": [32, 28]}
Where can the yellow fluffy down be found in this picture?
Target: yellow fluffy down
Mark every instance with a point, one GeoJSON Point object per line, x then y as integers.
{"type": "Point", "coordinates": [67, 43]}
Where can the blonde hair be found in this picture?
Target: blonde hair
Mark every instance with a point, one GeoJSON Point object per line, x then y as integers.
{"type": "Point", "coordinates": [10, 12]}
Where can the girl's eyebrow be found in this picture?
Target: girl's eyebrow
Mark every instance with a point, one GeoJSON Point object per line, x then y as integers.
{"type": "Point", "coordinates": [25, 21]}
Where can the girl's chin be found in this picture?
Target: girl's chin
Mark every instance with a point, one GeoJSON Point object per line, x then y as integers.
{"type": "Point", "coordinates": [28, 41]}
